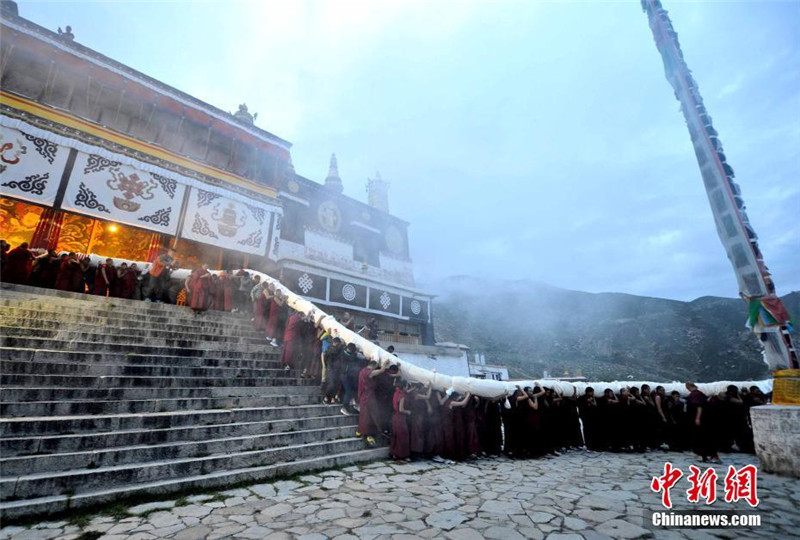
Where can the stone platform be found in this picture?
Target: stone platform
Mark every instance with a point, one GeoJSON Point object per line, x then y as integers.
{"type": "Point", "coordinates": [776, 429]}
{"type": "Point", "coordinates": [107, 399]}
{"type": "Point", "coordinates": [579, 495]}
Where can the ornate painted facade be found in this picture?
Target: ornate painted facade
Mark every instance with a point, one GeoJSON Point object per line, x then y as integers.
{"type": "Point", "coordinates": [99, 158]}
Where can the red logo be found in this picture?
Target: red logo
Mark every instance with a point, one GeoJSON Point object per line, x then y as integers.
{"type": "Point", "coordinates": [739, 484]}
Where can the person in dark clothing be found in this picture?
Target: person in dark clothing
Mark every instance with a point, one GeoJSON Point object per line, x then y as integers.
{"type": "Point", "coordinates": [17, 265]}
{"type": "Point", "coordinates": [333, 371]}
{"type": "Point", "coordinates": [45, 270]}
{"type": "Point", "coordinates": [587, 406]}
{"type": "Point", "coordinates": [70, 275]}
{"type": "Point", "coordinates": [700, 427]}
{"type": "Point", "coordinates": [351, 366]}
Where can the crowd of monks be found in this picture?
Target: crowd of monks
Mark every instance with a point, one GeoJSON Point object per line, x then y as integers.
{"type": "Point", "coordinates": [227, 291]}
{"type": "Point", "coordinates": [417, 420]}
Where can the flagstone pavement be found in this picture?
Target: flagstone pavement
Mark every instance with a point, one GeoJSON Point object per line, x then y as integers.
{"type": "Point", "coordinates": [578, 495]}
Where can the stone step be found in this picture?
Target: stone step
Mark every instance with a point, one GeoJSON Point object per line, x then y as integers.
{"type": "Point", "coordinates": [269, 359]}
{"type": "Point", "coordinates": [171, 329]}
{"type": "Point", "coordinates": [12, 295]}
{"type": "Point", "coordinates": [96, 369]}
{"type": "Point", "coordinates": [122, 316]}
{"type": "Point", "coordinates": [74, 407]}
{"type": "Point", "coordinates": [111, 457]}
{"type": "Point", "coordinates": [52, 504]}
{"type": "Point", "coordinates": [64, 345]}
{"type": "Point", "coordinates": [56, 425]}
{"type": "Point", "coordinates": [68, 394]}
{"type": "Point", "coordinates": [159, 382]}
{"type": "Point", "coordinates": [84, 442]}
{"type": "Point", "coordinates": [21, 336]}
{"type": "Point", "coordinates": [119, 318]}
{"type": "Point", "coordinates": [48, 483]}
{"type": "Point", "coordinates": [104, 334]}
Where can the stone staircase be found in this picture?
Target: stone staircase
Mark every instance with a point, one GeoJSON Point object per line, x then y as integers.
{"type": "Point", "coordinates": [108, 399]}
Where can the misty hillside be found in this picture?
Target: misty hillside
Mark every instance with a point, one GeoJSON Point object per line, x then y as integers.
{"type": "Point", "coordinates": [530, 327]}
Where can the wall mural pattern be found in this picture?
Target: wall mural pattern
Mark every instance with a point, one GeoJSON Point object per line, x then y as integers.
{"type": "Point", "coordinates": [30, 167]}
{"type": "Point", "coordinates": [220, 221]}
{"type": "Point", "coordinates": [112, 190]}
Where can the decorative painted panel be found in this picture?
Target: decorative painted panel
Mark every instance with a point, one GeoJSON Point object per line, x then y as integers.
{"type": "Point", "coordinates": [220, 221]}
{"type": "Point", "coordinates": [118, 192]}
{"type": "Point", "coordinates": [18, 221]}
{"type": "Point", "coordinates": [305, 283]}
{"type": "Point", "coordinates": [30, 167]}
{"type": "Point", "coordinates": [384, 301]}
{"type": "Point", "coordinates": [344, 292]}
{"type": "Point", "coordinates": [415, 308]}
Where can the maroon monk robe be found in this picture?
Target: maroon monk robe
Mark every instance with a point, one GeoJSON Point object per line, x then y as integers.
{"type": "Point", "coordinates": [315, 362]}
{"type": "Point", "coordinates": [433, 436]}
{"type": "Point", "coordinates": [369, 423]}
{"type": "Point", "coordinates": [70, 276]}
{"type": "Point", "coordinates": [473, 444]}
{"type": "Point", "coordinates": [213, 290]}
{"type": "Point", "coordinates": [225, 292]}
{"type": "Point", "coordinates": [18, 265]}
{"type": "Point", "coordinates": [117, 283]}
{"type": "Point", "coordinates": [261, 312]}
{"type": "Point", "coordinates": [459, 433]}
{"type": "Point", "coordinates": [199, 282]}
{"type": "Point", "coordinates": [448, 435]}
{"type": "Point", "coordinates": [104, 278]}
{"type": "Point", "coordinates": [277, 319]}
{"type": "Point", "coordinates": [400, 447]}
{"type": "Point", "coordinates": [417, 423]}
{"type": "Point", "coordinates": [128, 285]}
{"type": "Point", "coordinates": [292, 354]}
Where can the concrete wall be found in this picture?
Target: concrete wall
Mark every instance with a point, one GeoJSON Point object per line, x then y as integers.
{"type": "Point", "coordinates": [777, 435]}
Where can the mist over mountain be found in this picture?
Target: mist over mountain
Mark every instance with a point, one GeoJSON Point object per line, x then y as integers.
{"type": "Point", "coordinates": [532, 327]}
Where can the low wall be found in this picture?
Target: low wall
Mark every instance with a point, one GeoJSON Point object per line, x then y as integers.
{"type": "Point", "coordinates": [776, 429]}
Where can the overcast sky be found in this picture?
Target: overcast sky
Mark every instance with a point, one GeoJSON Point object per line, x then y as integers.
{"type": "Point", "coordinates": [531, 140]}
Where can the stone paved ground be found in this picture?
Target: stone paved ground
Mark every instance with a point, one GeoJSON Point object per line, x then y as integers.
{"type": "Point", "coordinates": [578, 495]}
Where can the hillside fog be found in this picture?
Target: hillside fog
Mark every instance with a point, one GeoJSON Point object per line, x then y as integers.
{"type": "Point", "coordinates": [532, 327]}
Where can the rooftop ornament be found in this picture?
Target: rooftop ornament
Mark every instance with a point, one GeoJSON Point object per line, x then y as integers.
{"type": "Point", "coordinates": [243, 115]}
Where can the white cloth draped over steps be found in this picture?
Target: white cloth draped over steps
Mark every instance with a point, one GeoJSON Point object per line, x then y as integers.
{"type": "Point", "coordinates": [477, 387]}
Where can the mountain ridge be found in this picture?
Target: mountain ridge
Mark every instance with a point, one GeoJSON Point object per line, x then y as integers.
{"type": "Point", "coordinates": [532, 326]}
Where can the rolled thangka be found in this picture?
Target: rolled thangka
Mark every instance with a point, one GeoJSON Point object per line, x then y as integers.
{"type": "Point", "coordinates": [481, 387]}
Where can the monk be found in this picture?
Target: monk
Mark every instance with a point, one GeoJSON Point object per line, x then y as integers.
{"type": "Point", "coordinates": [129, 281]}
{"type": "Point", "coordinates": [224, 296]}
{"type": "Point", "coordinates": [197, 286]}
{"type": "Point", "coordinates": [70, 275]}
{"type": "Point", "coordinates": [699, 425]}
{"type": "Point", "coordinates": [18, 265]}
{"type": "Point", "coordinates": [417, 403]}
{"type": "Point", "coordinates": [369, 424]}
{"type": "Point", "coordinates": [260, 296]}
{"type": "Point", "coordinates": [292, 354]}
{"type": "Point", "coordinates": [473, 443]}
{"type": "Point", "coordinates": [587, 407]}
{"type": "Point", "coordinates": [116, 284]}
{"type": "Point", "coordinates": [45, 270]}
{"type": "Point", "coordinates": [104, 278]}
{"type": "Point", "coordinates": [400, 447]}
{"type": "Point", "coordinates": [456, 406]}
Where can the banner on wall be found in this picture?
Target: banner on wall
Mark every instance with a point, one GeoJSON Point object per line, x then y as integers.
{"type": "Point", "coordinates": [118, 192]}
{"type": "Point", "coordinates": [219, 221]}
{"type": "Point", "coordinates": [30, 167]}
